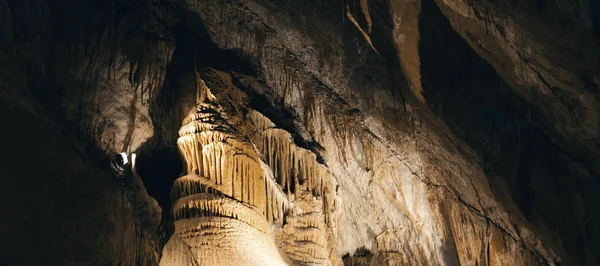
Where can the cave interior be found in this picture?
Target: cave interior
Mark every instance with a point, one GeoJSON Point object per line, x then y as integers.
{"type": "Point", "coordinates": [284, 132]}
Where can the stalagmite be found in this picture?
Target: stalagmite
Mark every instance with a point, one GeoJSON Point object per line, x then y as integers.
{"type": "Point", "coordinates": [221, 203]}
{"type": "Point", "coordinates": [208, 205]}
{"type": "Point", "coordinates": [229, 193]}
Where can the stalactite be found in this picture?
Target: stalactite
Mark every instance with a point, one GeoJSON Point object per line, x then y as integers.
{"type": "Point", "coordinates": [364, 34]}
{"type": "Point", "coordinates": [215, 153]}
{"type": "Point", "coordinates": [293, 165]}
{"type": "Point", "coordinates": [227, 176]}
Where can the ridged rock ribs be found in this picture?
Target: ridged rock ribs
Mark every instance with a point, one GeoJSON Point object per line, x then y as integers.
{"type": "Point", "coordinates": [228, 190]}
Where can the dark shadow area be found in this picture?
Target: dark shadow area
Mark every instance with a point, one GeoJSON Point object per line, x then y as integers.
{"type": "Point", "coordinates": [159, 169]}
{"type": "Point", "coordinates": [461, 87]}
{"type": "Point", "coordinates": [196, 46]}
{"type": "Point", "coordinates": [528, 172]}
{"type": "Point", "coordinates": [361, 257]}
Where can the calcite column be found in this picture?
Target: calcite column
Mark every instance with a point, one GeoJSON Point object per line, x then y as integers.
{"type": "Point", "coordinates": [249, 195]}
{"type": "Point", "coordinates": [222, 203]}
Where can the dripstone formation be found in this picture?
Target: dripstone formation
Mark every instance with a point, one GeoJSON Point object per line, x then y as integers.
{"type": "Point", "coordinates": [300, 132]}
{"type": "Point", "coordinates": [232, 208]}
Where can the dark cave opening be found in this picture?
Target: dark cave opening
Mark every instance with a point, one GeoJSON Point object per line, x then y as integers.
{"type": "Point", "coordinates": [159, 169]}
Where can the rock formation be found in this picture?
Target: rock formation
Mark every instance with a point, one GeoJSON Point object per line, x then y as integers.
{"type": "Point", "coordinates": [369, 132]}
{"type": "Point", "coordinates": [228, 195]}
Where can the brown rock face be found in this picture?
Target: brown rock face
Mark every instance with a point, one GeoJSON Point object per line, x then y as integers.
{"type": "Point", "coordinates": [554, 74]}
{"type": "Point", "coordinates": [233, 208]}
{"type": "Point", "coordinates": [547, 53]}
{"type": "Point", "coordinates": [400, 132]}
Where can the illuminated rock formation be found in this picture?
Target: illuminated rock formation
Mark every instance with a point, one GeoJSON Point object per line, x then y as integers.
{"type": "Point", "coordinates": [310, 236]}
{"type": "Point", "coordinates": [414, 132]}
{"type": "Point", "coordinates": [221, 204]}
{"type": "Point", "coordinates": [230, 206]}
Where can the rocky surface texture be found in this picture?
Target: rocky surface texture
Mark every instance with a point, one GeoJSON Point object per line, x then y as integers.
{"type": "Point", "coordinates": [455, 132]}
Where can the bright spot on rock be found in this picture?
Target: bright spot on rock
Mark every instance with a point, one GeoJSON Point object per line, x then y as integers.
{"type": "Point", "coordinates": [124, 156]}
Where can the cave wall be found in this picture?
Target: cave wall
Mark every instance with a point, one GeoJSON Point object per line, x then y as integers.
{"type": "Point", "coordinates": [344, 142]}
{"type": "Point", "coordinates": [62, 205]}
{"type": "Point", "coordinates": [546, 51]}
{"type": "Point", "coordinates": [75, 92]}
{"type": "Point", "coordinates": [368, 86]}
{"type": "Point", "coordinates": [472, 86]}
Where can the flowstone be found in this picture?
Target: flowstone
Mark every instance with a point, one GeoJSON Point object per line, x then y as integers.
{"type": "Point", "coordinates": [239, 194]}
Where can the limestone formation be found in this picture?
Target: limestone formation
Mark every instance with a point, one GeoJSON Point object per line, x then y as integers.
{"type": "Point", "coordinates": [300, 132]}
{"type": "Point", "coordinates": [228, 195]}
